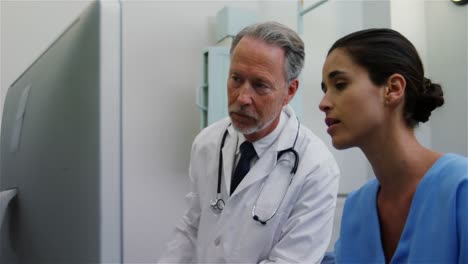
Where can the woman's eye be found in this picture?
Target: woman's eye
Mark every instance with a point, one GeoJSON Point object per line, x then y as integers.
{"type": "Point", "coordinates": [324, 89]}
{"type": "Point", "coordinates": [340, 86]}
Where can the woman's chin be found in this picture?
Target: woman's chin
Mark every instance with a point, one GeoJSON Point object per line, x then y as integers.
{"type": "Point", "coordinates": [340, 144]}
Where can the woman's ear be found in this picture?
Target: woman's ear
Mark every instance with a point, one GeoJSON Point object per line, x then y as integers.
{"type": "Point", "coordinates": [395, 89]}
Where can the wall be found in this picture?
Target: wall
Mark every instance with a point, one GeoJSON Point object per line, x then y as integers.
{"type": "Point", "coordinates": [162, 43]}
{"type": "Point", "coordinates": [408, 17]}
{"type": "Point", "coordinates": [439, 31]}
{"type": "Point", "coordinates": [162, 48]}
{"type": "Point", "coordinates": [447, 64]}
{"type": "Point", "coordinates": [322, 26]}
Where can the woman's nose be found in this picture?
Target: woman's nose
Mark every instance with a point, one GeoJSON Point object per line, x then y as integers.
{"type": "Point", "coordinates": [325, 104]}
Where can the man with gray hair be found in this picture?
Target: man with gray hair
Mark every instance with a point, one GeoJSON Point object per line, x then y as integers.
{"type": "Point", "coordinates": [263, 186]}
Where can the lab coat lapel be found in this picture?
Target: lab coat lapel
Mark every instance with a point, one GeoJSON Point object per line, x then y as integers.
{"type": "Point", "coordinates": [260, 170]}
{"type": "Point", "coordinates": [288, 135]}
{"type": "Point", "coordinates": [229, 151]}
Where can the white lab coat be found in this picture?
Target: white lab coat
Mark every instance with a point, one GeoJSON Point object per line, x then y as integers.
{"type": "Point", "coordinates": [301, 229]}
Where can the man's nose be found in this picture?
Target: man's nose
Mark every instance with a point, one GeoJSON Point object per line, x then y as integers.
{"type": "Point", "coordinates": [245, 94]}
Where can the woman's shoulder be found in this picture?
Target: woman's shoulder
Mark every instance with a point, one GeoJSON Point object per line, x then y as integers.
{"type": "Point", "coordinates": [456, 162]}
{"type": "Point", "coordinates": [366, 191]}
{"type": "Point", "coordinates": [451, 168]}
{"type": "Point", "coordinates": [363, 196]}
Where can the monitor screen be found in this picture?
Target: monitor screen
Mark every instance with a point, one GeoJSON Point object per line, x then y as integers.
{"type": "Point", "coordinates": [61, 148]}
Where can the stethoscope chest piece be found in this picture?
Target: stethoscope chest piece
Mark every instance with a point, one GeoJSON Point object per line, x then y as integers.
{"type": "Point", "coordinates": [217, 205]}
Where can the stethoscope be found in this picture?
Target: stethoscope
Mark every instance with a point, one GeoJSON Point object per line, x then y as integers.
{"type": "Point", "coordinates": [218, 204]}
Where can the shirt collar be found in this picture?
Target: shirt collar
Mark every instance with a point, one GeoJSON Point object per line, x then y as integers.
{"type": "Point", "coordinates": [264, 143]}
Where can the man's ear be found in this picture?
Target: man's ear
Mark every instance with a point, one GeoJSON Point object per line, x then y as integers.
{"type": "Point", "coordinates": [292, 89]}
{"type": "Point", "coordinates": [395, 89]}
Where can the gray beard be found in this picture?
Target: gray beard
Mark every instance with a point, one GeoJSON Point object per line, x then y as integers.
{"type": "Point", "coordinates": [251, 130]}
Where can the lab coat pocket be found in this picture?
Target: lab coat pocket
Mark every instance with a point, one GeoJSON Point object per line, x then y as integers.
{"type": "Point", "coordinates": [255, 240]}
{"type": "Point", "coordinates": [265, 217]}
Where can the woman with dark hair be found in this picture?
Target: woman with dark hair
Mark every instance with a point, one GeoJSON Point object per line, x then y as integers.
{"type": "Point", "coordinates": [416, 210]}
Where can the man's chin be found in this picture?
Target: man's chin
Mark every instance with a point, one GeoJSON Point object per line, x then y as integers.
{"type": "Point", "coordinates": [245, 130]}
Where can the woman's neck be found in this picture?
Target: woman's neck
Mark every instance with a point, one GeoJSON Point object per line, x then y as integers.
{"type": "Point", "coordinates": [399, 162]}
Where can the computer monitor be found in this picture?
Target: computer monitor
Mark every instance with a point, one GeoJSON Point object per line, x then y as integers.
{"type": "Point", "coordinates": [61, 147]}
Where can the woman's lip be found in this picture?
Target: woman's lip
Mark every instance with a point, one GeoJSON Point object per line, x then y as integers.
{"type": "Point", "coordinates": [331, 121]}
{"type": "Point", "coordinates": [331, 128]}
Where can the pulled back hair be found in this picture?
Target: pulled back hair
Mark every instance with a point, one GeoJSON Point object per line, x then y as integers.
{"type": "Point", "coordinates": [383, 52]}
{"type": "Point", "coordinates": [281, 36]}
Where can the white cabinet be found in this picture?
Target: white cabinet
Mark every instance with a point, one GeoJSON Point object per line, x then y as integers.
{"type": "Point", "coordinates": [212, 98]}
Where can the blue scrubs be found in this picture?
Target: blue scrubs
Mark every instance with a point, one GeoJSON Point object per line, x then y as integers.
{"type": "Point", "coordinates": [436, 230]}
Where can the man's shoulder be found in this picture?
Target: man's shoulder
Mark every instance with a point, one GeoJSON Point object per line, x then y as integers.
{"type": "Point", "coordinates": [211, 133]}
{"type": "Point", "coordinates": [310, 136]}
{"type": "Point", "coordinates": [316, 158]}
{"type": "Point", "coordinates": [313, 145]}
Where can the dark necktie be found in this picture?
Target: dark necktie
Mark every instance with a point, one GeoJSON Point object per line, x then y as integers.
{"type": "Point", "coordinates": [247, 153]}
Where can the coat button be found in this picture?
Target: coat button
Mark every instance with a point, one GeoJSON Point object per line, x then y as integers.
{"type": "Point", "coordinates": [217, 241]}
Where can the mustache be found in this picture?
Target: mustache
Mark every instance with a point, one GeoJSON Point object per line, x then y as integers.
{"type": "Point", "coordinates": [242, 110]}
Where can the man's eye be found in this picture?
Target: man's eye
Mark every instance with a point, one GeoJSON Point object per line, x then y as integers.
{"type": "Point", "coordinates": [261, 87]}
